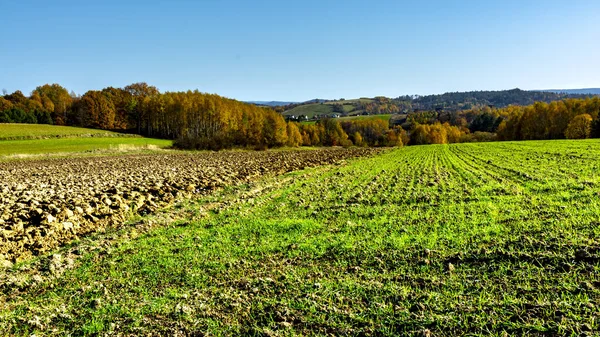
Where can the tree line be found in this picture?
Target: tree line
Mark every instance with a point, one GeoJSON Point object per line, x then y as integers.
{"type": "Point", "coordinates": [456, 101]}
{"type": "Point", "coordinates": [447, 102]}
{"type": "Point", "coordinates": [193, 119]}
{"type": "Point", "coordinates": [208, 121]}
{"type": "Point", "coordinates": [569, 118]}
{"type": "Point", "coordinates": [368, 132]}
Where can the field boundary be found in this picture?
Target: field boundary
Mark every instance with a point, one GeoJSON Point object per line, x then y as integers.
{"type": "Point", "coordinates": [90, 135]}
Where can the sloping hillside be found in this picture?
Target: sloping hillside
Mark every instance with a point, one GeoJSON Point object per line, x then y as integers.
{"type": "Point", "coordinates": [451, 101]}
{"type": "Point", "coordinates": [310, 110]}
{"type": "Point", "coordinates": [350, 107]}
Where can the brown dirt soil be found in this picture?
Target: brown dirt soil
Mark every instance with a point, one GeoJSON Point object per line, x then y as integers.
{"type": "Point", "coordinates": [47, 203]}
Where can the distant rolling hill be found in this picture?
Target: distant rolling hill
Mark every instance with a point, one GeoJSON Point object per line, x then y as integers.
{"type": "Point", "coordinates": [588, 91]}
{"type": "Point", "coordinates": [450, 101]}
{"type": "Point", "coordinates": [310, 110]}
{"type": "Point", "coordinates": [325, 107]}
{"type": "Point", "coordinates": [271, 103]}
{"type": "Point", "coordinates": [283, 103]}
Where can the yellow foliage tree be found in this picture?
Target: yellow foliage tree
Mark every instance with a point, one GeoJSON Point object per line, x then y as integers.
{"type": "Point", "coordinates": [358, 139]}
{"type": "Point", "coordinates": [294, 138]}
{"type": "Point", "coordinates": [436, 134]}
{"type": "Point", "coordinates": [580, 127]}
{"type": "Point", "coordinates": [61, 101]}
{"type": "Point", "coordinates": [274, 129]}
{"type": "Point", "coordinates": [393, 138]}
{"type": "Point", "coordinates": [453, 133]}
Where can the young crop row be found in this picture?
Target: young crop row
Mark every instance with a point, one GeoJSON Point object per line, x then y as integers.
{"type": "Point", "coordinates": [469, 238]}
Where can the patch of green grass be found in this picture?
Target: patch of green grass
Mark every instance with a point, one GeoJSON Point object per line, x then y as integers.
{"type": "Point", "coordinates": [71, 145]}
{"type": "Point", "coordinates": [367, 117]}
{"type": "Point", "coordinates": [352, 101]}
{"type": "Point", "coordinates": [325, 109]}
{"type": "Point", "coordinates": [484, 239]}
{"type": "Point", "coordinates": [310, 110]}
{"type": "Point", "coordinates": [355, 118]}
{"type": "Point", "coordinates": [348, 108]}
{"type": "Point", "coordinates": [36, 131]}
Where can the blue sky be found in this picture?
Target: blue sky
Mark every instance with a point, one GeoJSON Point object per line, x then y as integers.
{"type": "Point", "coordinates": [299, 50]}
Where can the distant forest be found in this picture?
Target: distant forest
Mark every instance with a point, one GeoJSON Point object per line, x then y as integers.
{"type": "Point", "coordinates": [451, 101]}
{"type": "Point", "coordinates": [573, 118]}
{"type": "Point", "coordinates": [207, 121]}
{"type": "Point", "coordinates": [192, 118]}
{"type": "Point", "coordinates": [476, 99]}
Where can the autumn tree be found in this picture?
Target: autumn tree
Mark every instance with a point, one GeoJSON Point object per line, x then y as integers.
{"type": "Point", "coordinates": [294, 138]}
{"type": "Point", "coordinates": [403, 135]}
{"type": "Point", "coordinates": [580, 127]}
{"type": "Point", "coordinates": [95, 110]}
{"type": "Point", "coordinates": [357, 139]}
{"type": "Point", "coordinates": [436, 134]}
{"type": "Point", "coordinates": [544, 121]}
{"type": "Point", "coordinates": [17, 99]}
{"type": "Point", "coordinates": [139, 94]}
{"type": "Point", "coordinates": [419, 134]}
{"type": "Point", "coordinates": [393, 138]}
{"type": "Point", "coordinates": [333, 133]}
{"type": "Point", "coordinates": [122, 101]}
{"type": "Point", "coordinates": [61, 101]}
{"type": "Point", "coordinates": [5, 104]}
{"type": "Point", "coordinates": [453, 133]}
{"type": "Point", "coordinates": [274, 129]}
{"type": "Point", "coordinates": [312, 134]}
{"type": "Point", "coordinates": [373, 131]}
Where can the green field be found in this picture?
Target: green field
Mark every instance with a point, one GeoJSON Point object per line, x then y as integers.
{"type": "Point", "coordinates": [351, 101]}
{"type": "Point", "coordinates": [320, 109]}
{"type": "Point", "coordinates": [326, 108]}
{"type": "Point", "coordinates": [484, 239]}
{"type": "Point", "coordinates": [35, 139]}
{"type": "Point", "coordinates": [310, 110]}
{"type": "Point", "coordinates": [72, 145]}
{"type": "Point", "coordinates": [358, 118]}
{"type": "Point", "coordinates": [348, 108]}
{"type": "Point", "coordinates": [37, 131]}
{"type": "Point", "coordinates": [355, 118]}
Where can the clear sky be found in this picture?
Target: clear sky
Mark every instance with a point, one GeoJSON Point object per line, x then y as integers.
{"type": "Point", "coordinates": [301, 49]}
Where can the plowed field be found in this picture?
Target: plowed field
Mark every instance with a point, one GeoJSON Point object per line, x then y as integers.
{"type": "Point", "coordinates": [46, 203]}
